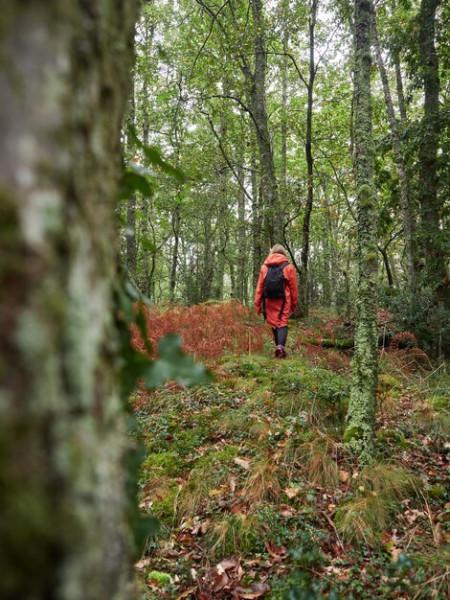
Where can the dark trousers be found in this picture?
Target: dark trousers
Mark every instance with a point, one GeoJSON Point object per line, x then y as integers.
{"type": "Point", "coordinates": [280, 335]}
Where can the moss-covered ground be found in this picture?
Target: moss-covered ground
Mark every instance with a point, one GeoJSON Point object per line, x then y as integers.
{"type": "Point", "coordinates": [257, 495]}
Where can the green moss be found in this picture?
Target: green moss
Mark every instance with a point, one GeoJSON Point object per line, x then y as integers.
{"type": "Point", "coordinates": [387, 382]}
{"type": "Point", "coordinates": [439, 402]}
{"type": "Point", "coordinates": [352, 433]}
{"type": "Point", "coordinates": [393, 436]}
{"type": "Point", "coordinates": [165, 508]}
{"type": "Point", "coordinates": [164, 463]}
{"type": "Point", "coordinates": [437, 491]}
{"type": "Point", "coordinates": [159, 577]}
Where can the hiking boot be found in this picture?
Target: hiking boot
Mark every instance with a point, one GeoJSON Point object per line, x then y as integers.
{"type": "Point", "coordinates": [280, 352]}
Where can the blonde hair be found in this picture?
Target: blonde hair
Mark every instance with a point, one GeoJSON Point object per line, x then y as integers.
{"type": "Point", "coordinates": [278, 249]}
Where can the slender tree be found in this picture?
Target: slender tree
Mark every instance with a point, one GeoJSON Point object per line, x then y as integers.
{"type": "Point", "coordinates": [430, 202]}
{"type": "Point", "coordinates": [361, 412]}
{"type": "Point", "coordinates": [408, 220]}
{"type": "Point", "coordinates": [312, 71]}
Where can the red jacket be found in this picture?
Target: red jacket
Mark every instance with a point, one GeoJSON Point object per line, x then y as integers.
{"type": "Point", "coordinates": [273, 305]}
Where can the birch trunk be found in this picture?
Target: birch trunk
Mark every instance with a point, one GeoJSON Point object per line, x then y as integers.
{"type": "Point", "coordinates": [63, 92]}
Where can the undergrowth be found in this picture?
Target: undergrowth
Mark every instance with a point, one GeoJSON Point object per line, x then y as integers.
{"type": "Point", "coordinates": [256, 491]}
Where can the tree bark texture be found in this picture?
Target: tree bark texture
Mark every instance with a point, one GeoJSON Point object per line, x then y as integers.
{"type": "Point", "coordinates": [63, 87]}
{"type": "Point", "coordinates": [273, 218]}
{"type": "Point", "coordinates": [176, 223]}
{"type": "Point", "coordinates": [361, 412]}
{"type": "Point", "coordinates": [304, 287]}
{"type": "Point", "coordinates": [409, 228]}
{"type": "Point", "coordinates": [257, 243]}
{"type": "Point", "coordinates": [431, 235]}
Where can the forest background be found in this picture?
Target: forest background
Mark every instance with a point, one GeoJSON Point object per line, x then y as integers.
{"type": "Point", "coordinates": [255, 104]}
{"type": "Point", "coordinates": [320, 125]}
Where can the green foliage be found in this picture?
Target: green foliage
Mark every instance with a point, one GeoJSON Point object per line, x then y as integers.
{"type": "Point", "coordinates": [135, 179]}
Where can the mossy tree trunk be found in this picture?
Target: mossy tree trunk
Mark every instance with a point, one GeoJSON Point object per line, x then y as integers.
{"type": "Point", "coordinates": [432, 237]}
{"type": "Point", "coordinates": [63, 88]}
{"type": "Point", "coordinates": [408, 219]}
{"type": "Point", "coordinates": [361, 413]}
{"type": "Point", "coordinates": [256, 81]}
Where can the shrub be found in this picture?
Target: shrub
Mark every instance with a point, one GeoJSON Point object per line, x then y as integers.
{"type": "Point", "coordinates": [207, 330]}
{"type": "Point", "coordinates": [404, 339]}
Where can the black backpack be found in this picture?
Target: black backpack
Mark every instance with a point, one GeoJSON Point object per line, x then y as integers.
{"type": "Point", "coordinates": [274, 285]}
{"type": "Point", "coordinates": [274, 281]}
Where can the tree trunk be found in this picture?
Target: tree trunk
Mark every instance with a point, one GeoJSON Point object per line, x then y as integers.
{"type": "Point", "coordinates": [284, 107]}
{"type": "Point", "coordinates": [273, 219]}
{"type": "Point", "coordinates": [405, 196]}
{"type": "Point", "coordinates": [241, 237]}
{"type": "Point", "coordinates": [130, 232]}
{"type": "Point", "coordinates": [131, 236]}
{"type": "Point", "coordinates": [303, 289]}
{"type": "Point", "coordinates": [361, 412]}
{"type": "Point", "coordinates": [63, 92]}
{"type": "Point", "coordinates": [430, 203]}
{"type": "Point", "coordinates": [387, 265]}
{"type": "Point", "coordinates": [174, 262]}
{"type": "Point", "coordinates": [258, 250]}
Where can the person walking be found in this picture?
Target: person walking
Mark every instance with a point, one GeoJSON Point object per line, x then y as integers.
{"type": "Point", "coordinates": [276, 295]}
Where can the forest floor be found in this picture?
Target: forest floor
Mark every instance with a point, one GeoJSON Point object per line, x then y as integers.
{"type": "Point", "coordinates": [258, 497]}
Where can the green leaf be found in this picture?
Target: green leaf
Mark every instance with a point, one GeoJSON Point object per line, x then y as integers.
{"type": "Point", "coordinates": [154, 157]}
{"type": "Point", "coordinates": [147, 244]}
{"type": "Point", "coordinates": [174, 365]}
{"type": "Point", "coordinates": [132, 182]}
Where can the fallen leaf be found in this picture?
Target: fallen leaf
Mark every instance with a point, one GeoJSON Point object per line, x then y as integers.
{"type": "Point", "coordinates": [226, 564]}
{"type": "Point", "coordinates": [186, 593]}
{"type": "Point", "coordinates": [344, 476]}
{"type": "Point", "coordinates": [256, 591]}
{"type": "Point", "coordinates": [292, 492]}
{"type": "Point", "coordinates": [243, 463]}
{"type": "Point", "coordinates": [141, 564]}
{"type": "Point", "coordinates": [287, 511]}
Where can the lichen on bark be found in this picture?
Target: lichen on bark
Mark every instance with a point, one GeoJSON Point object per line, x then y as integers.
{"type": "Point", "coordinates": [361, 412]}
{"type": "Point", "coordinates": [62, 432]}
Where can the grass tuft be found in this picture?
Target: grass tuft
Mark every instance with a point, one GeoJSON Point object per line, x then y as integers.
{"type": "Point", "coordinates": [380, 489]}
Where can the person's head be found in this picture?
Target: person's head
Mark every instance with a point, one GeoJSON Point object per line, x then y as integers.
{"type": "Point", "coordinates": [278, 249]}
